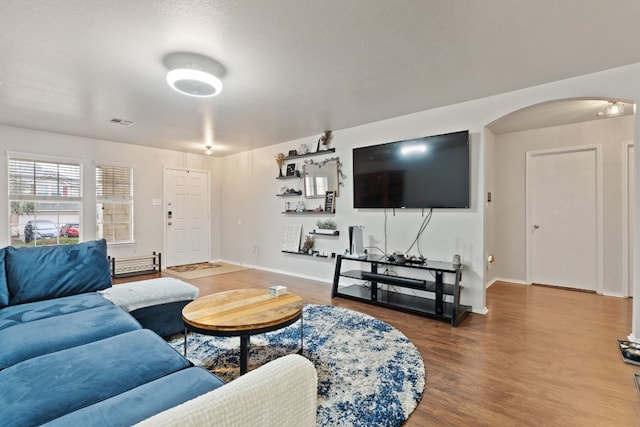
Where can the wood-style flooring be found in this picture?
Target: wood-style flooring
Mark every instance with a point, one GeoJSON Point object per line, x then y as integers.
{"type": "Point", "coordinates": [541, 357]}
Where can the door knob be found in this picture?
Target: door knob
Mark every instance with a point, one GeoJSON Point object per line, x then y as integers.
{"type": "Point", "coordinates": [169, 223]}
{"type": "Point", "coordinates": [536, 226]}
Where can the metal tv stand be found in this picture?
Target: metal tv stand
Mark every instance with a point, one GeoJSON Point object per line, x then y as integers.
{"type": "Point", "coordinates": [377, 283]}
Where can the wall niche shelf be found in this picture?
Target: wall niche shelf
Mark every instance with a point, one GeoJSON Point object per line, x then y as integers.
{"type": "Point", "coordinates": [317, 153]}
{"type": "Point", "coordinates": [296, 194]}
{"type": "Point", "coordinates": [375, 274]}
{"type": "Point", "coordinates": [298, 176]}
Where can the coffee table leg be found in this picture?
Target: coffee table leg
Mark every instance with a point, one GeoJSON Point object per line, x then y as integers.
{"type": "Point", "coordinates": [185, 343]}
{"type": "Point", "coordinates": [301, 335]}
{"type": "Point", "coordinates": [244, 354]}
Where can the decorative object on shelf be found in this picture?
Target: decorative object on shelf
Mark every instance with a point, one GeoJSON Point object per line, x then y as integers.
{"type": "Point", "coordinates": [280, 161]}
{"type": "Point", "coordinates": [287, 207]}
{"type": "Point", "coordinates": [303, 149]}
{"type": "Point", "coordinates": [325, 140]}
{"type": "Point", "coordinates": [308, 244]}
{"type": "Point", "coordinates": [286, 191]}
{"type": "Point", "coordinates": [292, 153]}
{"type": "Point", "coordinates": [291, 169]}
{"type": "Point", "coordinates": [291, 238]}
{"type": "Point", "coordinates": [326, 224]}
{"type": "Point", "coordinates": [329, 169]}
{"type": "Point", "coordinates": [456, 261]}
{"type": "Point", "coordinates": [400, 258]}
{"type": "Point", "coordinates": [300, 206]}
{"type": "Point", "coordinates": [330, 201]}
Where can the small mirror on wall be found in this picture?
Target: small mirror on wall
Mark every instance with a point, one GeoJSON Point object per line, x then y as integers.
{"type": "Point", "coordinates": [320, 178]}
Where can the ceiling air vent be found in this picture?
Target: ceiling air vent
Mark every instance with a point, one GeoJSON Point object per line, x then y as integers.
{"type": "Point", "coordinates": [122, 122]}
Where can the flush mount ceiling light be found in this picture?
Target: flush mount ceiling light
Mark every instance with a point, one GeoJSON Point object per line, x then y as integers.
{"type": "Point", "coordinates": [193, 74]}
{"type": "Point", "coordinates": [613, 109]}
{"type": "Point", "coordinates": [208, 150]}
{"type": "Point", "coordinates": [194, 82]}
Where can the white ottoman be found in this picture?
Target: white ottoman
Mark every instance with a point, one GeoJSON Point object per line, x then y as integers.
{"type": "Point", "coordinates": [156, 303]}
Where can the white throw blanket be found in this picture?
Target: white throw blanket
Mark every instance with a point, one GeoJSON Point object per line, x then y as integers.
{"type": "Point", "coordinates": [146, 293]}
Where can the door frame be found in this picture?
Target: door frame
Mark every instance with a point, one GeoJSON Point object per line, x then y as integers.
{"type": "Point", "coordinates": [164, 208]}
{"type": "Point", "coordinates": [530, 155]}
{"type": "Point", "coordinates": [627, 240]}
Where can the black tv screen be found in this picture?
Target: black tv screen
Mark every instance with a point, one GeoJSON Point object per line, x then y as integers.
{"type": "Point", "coordinates": [427, 172]}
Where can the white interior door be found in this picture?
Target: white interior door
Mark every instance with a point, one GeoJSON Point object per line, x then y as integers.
{"type": "Point", "coordinates": [563, 221]}
{"type": "Point", "coordinates": [186, 217]}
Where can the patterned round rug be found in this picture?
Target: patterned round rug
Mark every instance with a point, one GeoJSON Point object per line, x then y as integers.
{"type": "Point", "coordinates": [369, 373]}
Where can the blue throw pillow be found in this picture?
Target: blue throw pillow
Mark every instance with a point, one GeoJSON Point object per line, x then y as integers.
{"type": "Point", "coordinates": [4, 289]}
{"type": "Point", "coordinates": [44, 272]}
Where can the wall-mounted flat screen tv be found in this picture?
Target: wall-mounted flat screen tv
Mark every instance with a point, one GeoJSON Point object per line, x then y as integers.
{"type": "Point", "coordinates": [427, 172]}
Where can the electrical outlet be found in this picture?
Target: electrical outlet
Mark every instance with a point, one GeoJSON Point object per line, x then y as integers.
{"type": "Point", "coordinates": [254, 249]}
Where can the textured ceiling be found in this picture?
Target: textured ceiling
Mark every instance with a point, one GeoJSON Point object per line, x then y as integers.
{"type": "Point", "coordinates": [293, 67]}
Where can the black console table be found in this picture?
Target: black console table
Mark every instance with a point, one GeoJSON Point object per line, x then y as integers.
{"type": "Point", "coordinates": [432, 304]}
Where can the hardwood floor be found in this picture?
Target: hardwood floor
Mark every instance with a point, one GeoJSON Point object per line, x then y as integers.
{"type": "Point", "coordinates": [540, 357]}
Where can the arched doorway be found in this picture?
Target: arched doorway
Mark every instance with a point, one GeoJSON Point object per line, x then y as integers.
{"type": "Point", "coordinates": [556, 125]}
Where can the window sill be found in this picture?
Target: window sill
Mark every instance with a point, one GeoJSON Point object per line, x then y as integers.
{"type": "Point", "coordinates": [124, 243]}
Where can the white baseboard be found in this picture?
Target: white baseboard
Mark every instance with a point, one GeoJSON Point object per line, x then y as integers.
{"type": "Point", "coordinates": [614, 294]}
{"type": "Point", "coordinates": [274, 270]}
{"type": "Point", "coordinates": [502, 279]}
{"type": "Point", "coordinates": [483, 311]}
{"type": "Point", "coordinates": [632, 338]}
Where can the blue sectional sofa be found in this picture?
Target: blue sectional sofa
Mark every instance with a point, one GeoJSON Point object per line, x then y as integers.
{"type": "Point", "coordinates": [68, 356]}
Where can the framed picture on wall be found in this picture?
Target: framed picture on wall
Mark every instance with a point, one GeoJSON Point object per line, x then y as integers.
{"type": "Point", "coordinates": [291, 169]}
{"type": "Point", "coordinates": [330, 202]}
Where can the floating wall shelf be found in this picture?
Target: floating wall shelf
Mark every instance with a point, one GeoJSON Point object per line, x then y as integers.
{"type": "Point", "coordinates": [317, 153]}
{"type": "Point", "coordinates": [334, 233]}
{"type": "Point", "coordinates": [293, 212]}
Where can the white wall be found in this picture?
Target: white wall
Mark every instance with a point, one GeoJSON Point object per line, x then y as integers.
{"type": "Point", "coordinates": [511, 151]}
{"type": "Point", "coordinates": [253, 214]}
{"type": "Point", "coordinates": [148, 164]}
{"type": "Point", "coordinates": [490, 208]}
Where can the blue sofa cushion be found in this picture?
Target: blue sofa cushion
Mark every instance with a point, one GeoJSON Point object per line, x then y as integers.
{"type": "Point", "coordinates": [27, 340]}
{"type": "Point", "coordinates": [4, 289]}
{"type": "Point", "coordinates": [22, 313]}
{"type": "Point", "coordinates": [41, 389]}
{"type": "Point", "coordinates": [143, 402]}
{"type": "Point", "coordinates": [44, 272]}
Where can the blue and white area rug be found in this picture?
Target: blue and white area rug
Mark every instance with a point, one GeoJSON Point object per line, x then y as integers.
{"type": "Point", "coordinates": [369, 373]}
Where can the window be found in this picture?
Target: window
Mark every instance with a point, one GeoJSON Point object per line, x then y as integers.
{"type": "Point", "coordinates": [114, 197]}
{"type": "Point", "coordinates": [45, 197]}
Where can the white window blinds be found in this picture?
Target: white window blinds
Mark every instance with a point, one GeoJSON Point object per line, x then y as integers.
{"type": "Point", "coordinates": [114, 183]}
{"type": "Point", "coordinates": [43, 179]}
{"type": "Point", "coordinates": [114, 203]}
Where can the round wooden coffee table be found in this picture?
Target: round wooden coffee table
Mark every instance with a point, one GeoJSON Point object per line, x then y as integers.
{"type": "Point", "coordinates": [242, 313]}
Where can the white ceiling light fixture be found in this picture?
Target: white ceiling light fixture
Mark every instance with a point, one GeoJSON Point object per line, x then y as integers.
{"type": "Point", "coordinates": [193, 74]}
{"type": "Point", "coordinates": [194, 82]}
{"type": "Point", "coordinates": [208, 150]}
{"type": "Point", "coordinates": [613, 109]}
